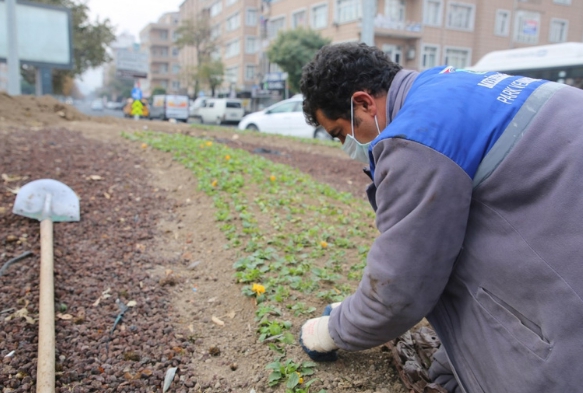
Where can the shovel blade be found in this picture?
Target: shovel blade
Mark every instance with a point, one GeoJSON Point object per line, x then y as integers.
{"type": "Point", "coordinates": [47, 199]}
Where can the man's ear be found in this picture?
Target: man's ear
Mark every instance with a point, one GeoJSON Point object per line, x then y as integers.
{"type": "Point", "coordinates": [366, 101]}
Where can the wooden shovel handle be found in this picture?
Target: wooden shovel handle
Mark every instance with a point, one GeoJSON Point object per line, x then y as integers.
{"type": "Point", "coordinates": [45, 373]}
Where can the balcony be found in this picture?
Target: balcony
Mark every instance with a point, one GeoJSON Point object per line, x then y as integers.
{"type": "Point", "coordinates": [384, 26]}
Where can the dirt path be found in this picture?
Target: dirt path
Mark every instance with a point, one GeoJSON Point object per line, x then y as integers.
{"type": "Point", "coordinates": [146, 235]}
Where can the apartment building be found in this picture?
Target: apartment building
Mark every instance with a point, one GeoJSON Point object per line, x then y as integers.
{"type": "Point", "coordinates": [157, 39]}
{"type": "Point", "coordinates": [417, 34]}
{"type": "Point", "coordinates": [235, 24]}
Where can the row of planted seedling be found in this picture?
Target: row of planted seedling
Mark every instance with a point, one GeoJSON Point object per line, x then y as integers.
{"type": "Point", "coordinates": [297, 239]}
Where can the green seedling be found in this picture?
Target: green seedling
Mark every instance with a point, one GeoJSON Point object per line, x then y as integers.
{"type": "Point", "coordinates": [292, 374]}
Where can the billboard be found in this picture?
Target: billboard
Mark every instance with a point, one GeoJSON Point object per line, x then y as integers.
{"type": "Point", "coordinates": [44, 34]}
{"type": "Point", "coordinates": [131, 64]}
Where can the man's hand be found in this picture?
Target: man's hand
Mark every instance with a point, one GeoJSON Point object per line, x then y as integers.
{"type": "Point", "coordinates": [316, 341]}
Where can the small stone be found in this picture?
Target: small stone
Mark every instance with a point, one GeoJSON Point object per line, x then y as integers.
{"type": "Point", "coordinates": [214, 351]}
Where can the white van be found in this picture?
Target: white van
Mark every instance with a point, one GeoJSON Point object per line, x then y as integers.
{"type": "Point", "coordinates": [221, 110]}
{"type": "Point", "coordinates": [165, 107]}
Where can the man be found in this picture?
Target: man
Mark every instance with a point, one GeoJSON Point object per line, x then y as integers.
{"type": "Point", "coordinates": [479, 203]}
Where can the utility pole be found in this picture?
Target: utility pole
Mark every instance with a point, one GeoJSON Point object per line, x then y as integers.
{"type": "Point", "coordinates": [12, 58]}
{"type": "Point", "coordinates": [367, 29]}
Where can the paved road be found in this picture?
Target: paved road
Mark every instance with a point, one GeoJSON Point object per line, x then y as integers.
{"type": "Point", "coordinates": [85, 108]}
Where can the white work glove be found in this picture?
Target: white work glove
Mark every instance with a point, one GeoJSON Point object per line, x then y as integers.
{"type": "Point", "coordinates": [316, 340]}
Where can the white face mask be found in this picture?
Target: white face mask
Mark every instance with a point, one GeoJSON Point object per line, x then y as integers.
{"type": "Point", "coordinates": [356, 150]}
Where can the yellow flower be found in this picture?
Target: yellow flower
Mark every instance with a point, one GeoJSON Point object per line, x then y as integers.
{"type": "Point", "coordinates": [209, 143]}
{"type": "Point", "coordinates": [272, 178]}
{"type": "Point", "coordinates": [144, 146]}
{"type": "Point", "coordinates": [214, 183]}
{"type": "Point", "coordinates": [323, 244]}
{"type": "Point", "coordinates": [301, 379]}
{"type": "Point", "coordinates": [227, 157]}
{"type": "Point", "coordinates": [258, 289]}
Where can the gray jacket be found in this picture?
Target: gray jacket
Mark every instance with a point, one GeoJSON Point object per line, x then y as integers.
{"type": "Point", "coordinates": [483, 236]}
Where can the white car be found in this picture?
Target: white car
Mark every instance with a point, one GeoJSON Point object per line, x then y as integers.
{"type": "Point", "coordinates": [97, 105]}
{"type": "Point", "coordinates": [284, 118]}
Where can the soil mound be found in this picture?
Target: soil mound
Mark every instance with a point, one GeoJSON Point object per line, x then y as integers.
{"type": "Point", "coordinates": [32, 110]}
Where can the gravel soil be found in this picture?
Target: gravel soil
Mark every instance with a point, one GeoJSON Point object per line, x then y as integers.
{"type": "Point", "coordinates": [147, 237]}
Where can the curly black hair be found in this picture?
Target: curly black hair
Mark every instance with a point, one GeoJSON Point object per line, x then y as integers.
{"type": "Point", "coordinates": [337, 71]}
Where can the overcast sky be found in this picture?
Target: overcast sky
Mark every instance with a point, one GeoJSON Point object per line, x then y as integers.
{"type": "Point", "coordinates": [125, 15]}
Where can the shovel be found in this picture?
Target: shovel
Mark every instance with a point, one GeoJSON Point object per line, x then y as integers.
{"type": "Point", "coordinates": [48, 201]}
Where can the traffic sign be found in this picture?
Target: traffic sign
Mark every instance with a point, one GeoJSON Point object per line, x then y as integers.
{"type": "Point", "coordinates": [137, 108]}
{"type": "Point", "coordinates": [137, 93]}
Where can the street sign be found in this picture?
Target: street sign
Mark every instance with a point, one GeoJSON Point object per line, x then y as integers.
{"type": "Point", "coordinates": [137, 108]}
{"type": "Point", "coordinates": [137, 93]}
{"type": "Point", "coordinates": [132, 63]}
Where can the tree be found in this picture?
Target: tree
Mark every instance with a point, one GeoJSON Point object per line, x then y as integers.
{"type": "Point", "coordinates": [197, 33]}
{"type": "Point", "coordinates": [117, 86]}
{"type": "Point", "coordinates": [293, 49]}
{"type": "Point", "coordinates": [211, 73]}
{"type": "Point", "coordinates": [90, 41]}
{"type": "Point", "coordinates": [158, 91]}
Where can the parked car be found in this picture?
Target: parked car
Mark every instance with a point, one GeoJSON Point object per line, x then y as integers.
{"type": "Point", "coordinates": [284, 118]}
{"type": "Point", "coordinates": [166, 107]}
{"type": "Point", "coordinates": [97, 105]}
{"type": "Point", "coordinates": [220, 110]}
{"type": "Point", "coordinates": [113, 105]}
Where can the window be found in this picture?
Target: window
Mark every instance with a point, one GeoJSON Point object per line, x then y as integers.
{"type": "Point", "coordinates": [457, 58]}
{"type": "Point", "coordinates": [175, 52]}
{"type": "Point", "coordinates": [251, 44]}
{"type": "Point", "coordinates": [298, 19]}
{"type": "Point", "coordinates": [429, 56]}
{"type": "Point", "coordinates": [163, 34]}
{"type": "Point", "coordinates": [175, 68]}
{"type": "Point", "coordinates": [216, 54]}
{"type": "Point", "coordinates": [232, 49]}
{"type": "Point", "coordinates": [275, 25]}
{"type": "Point", "coordinates": [159, 51]}
{"type": "Point", "coordinates": [527, 26]}
{"type": "Point", "coordinates": [566, 2]}
{"type": "Point", "coordinates": [175, 85]}
{"type": "Point", "coordinates": [502, 23]}
{"type": "Point", "coordinates": [460, 16]}
{"type": "Point", "coordinates": [216, 8]}
{"type": "Point", "coordinates": [233, 22]}
{"type": "Point", "coordinates": [163, 68]}
{"type": "Point", "coordinates": [319, 16]}
{"type": "Point", "coordinates": [231, 74]}
{"type": "Point", "coordinates": [286, 107]}
{"type": "Point", "coordinates": [230, 2]}
{"type": "Point", "coordinates": [393, 52]}
{"type": "Point", "coordinates": [175, 36]}
{"type": "Point", "coordinates": [250, 72]}
{"type": "Point", "coordinates": [559, 28]}
{"type": "Point", "coordinates": [216, 31]}
{"type": "Point", "coordinates": [347, 10]}
{"type": "Point", "coordinates": [432, 11]}
{"type": "Point", "coordinates": [251, 17]}
{"type": "Point", "coordinates": [395, 10]}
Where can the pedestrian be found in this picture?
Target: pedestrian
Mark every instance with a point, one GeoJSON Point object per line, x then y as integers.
{"type": "Point", "coordinates": [476, 185]}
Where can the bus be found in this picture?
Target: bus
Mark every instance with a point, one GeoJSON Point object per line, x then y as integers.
{"type": "Point", "coordinates": [561, 63]}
